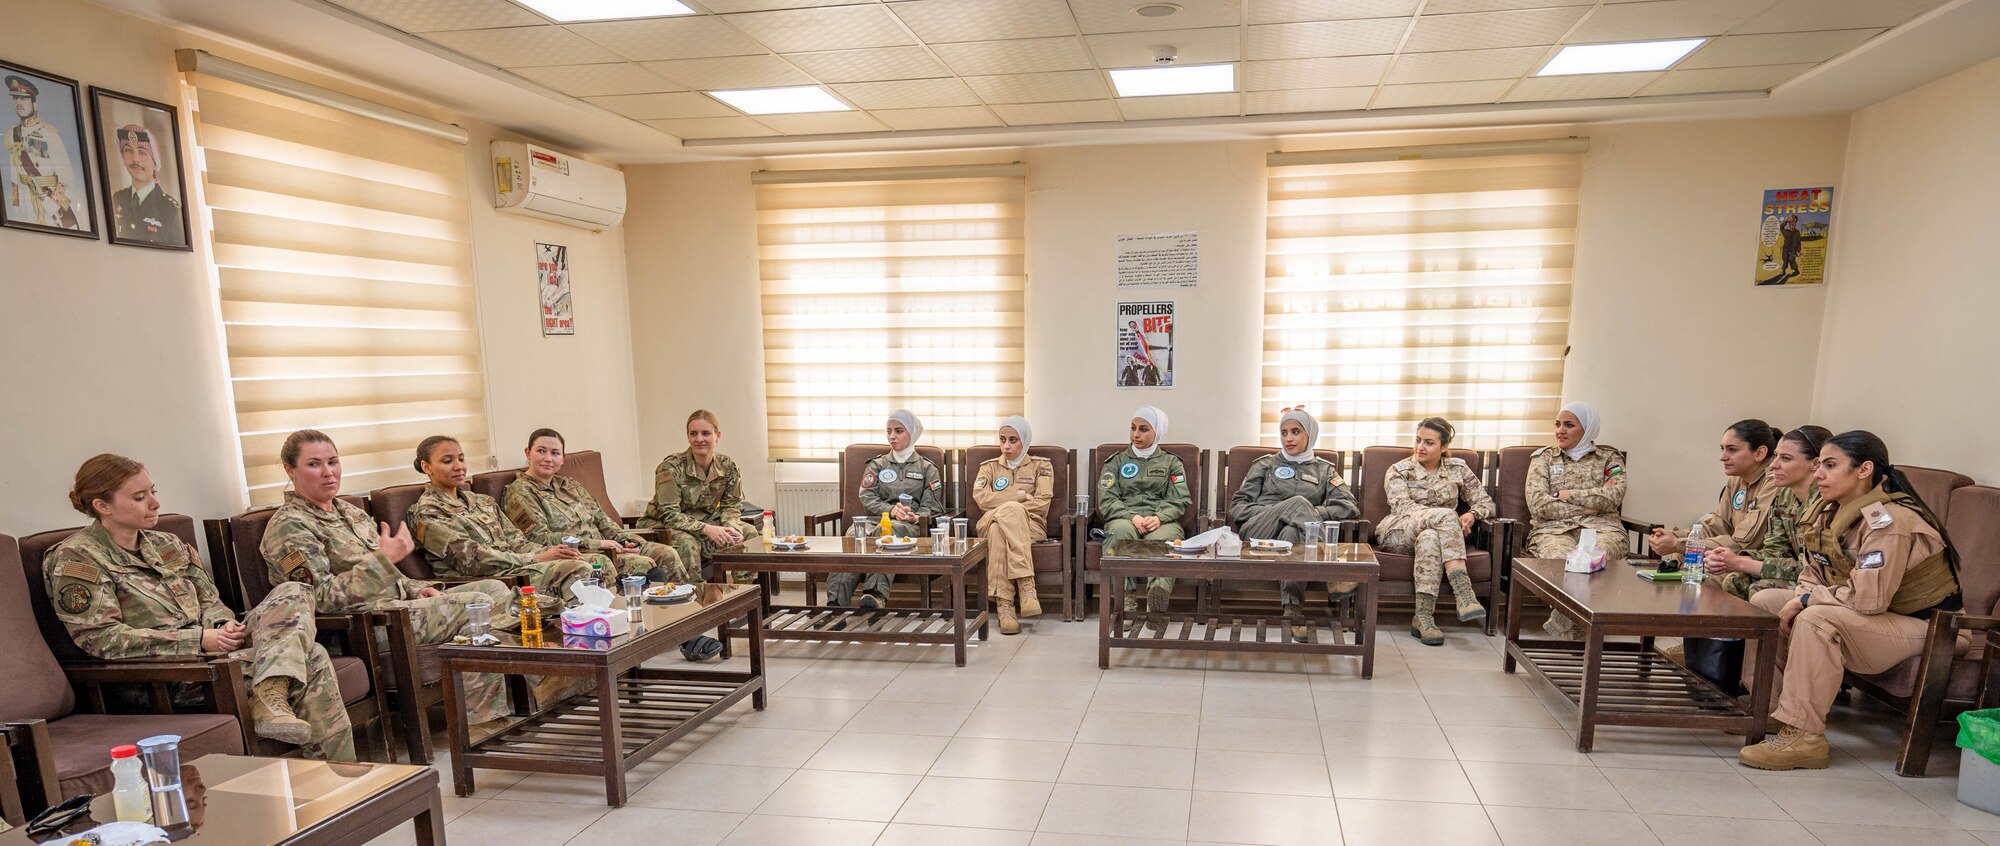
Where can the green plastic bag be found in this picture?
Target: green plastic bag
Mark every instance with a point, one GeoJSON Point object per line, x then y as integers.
{"type": "Point", "coordinates": [1979, 731]}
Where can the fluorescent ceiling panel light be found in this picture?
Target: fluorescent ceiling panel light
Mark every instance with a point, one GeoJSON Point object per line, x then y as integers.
{"type": "Point", "coordinates": [781, 101]}
{"type": "Point", "coordinates": [1619, 58]}
{"type": "Point", "coordinates": [1184, 79]}
{"type": "Point", "coordinates": [571, 11]}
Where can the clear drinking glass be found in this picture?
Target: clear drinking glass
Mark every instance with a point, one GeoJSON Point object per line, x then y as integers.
{"type": "Point", "coordinates": [634, 588]}
{"type": "Point", "coordinates": [479, 621]}
{"type": "Point", "coordinates": [940, 541]}
{"type": "Point", "coordinates": [961, 532]}
{"type": "Point", "coordinates": [162, 754]}
{"type": "Point", "coordinates": [1311, 530]}
{"type": "Point", "coordinates": [1330, 544]}
{"type": "Point", "coordinates": [1082, 504]}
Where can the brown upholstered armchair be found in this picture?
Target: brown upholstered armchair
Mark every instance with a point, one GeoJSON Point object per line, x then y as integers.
{"type": "Point", "coordinates": [1052, 555]}
{"type": "Point", "coordinates": [1484, 550]}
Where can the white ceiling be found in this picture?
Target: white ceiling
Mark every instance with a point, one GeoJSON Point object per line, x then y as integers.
{"type": "Point", "coordinates": [955, 73]}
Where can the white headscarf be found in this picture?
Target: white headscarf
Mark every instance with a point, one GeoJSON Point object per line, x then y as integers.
{"type": "Point", "coordinates": [1312, 435]}
{"type": "Point", "coordinates": [1020, 426]}
{"type": "Point", "coordinates": [916, 428]}
{"type": "Point", "coordinates": [1588, 417]}
{"type": "Point", "coordinates": [1158, 420]}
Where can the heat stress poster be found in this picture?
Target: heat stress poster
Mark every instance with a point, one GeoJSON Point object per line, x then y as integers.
{"type": "Point", "coordinates": [1792, 231]}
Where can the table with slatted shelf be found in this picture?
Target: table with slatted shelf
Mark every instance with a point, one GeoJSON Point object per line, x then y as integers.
{"type": "Point", "coordinates": [963, 566]}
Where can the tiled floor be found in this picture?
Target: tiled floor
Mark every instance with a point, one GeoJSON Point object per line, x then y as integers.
{"type": "Point", "coordinates": [1031, 745]}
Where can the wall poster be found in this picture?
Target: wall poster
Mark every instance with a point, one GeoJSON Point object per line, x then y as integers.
{"type": "Point", "coordinates": [1792, 236]}
{"type": "Point", "coordinates": [552, 270]}
{"type": "Point", "coordinates": [1164, 259]}
{"type": "Point", "coordinates": [1145, 344]}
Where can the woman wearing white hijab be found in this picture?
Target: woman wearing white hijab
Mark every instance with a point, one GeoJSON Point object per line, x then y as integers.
{"type": "Point", "coordinates": [1575, 485]}
{"type": "Point", "coordinates": [1014, 491]}
{"type": "Point", "coordinates": [1142, 494]}
{"type": "Point", "coordinates": [1283, 491]}
{"type": "Point", "coordinates": [902, 484]}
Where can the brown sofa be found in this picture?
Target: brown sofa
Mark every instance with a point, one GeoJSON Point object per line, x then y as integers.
{"type": "Point", "coordinates": [1194, 522]}
{"type": "Point", "coordinates": [1398, 574]}
{"type": "Point", "coordinates": [1052, 554]}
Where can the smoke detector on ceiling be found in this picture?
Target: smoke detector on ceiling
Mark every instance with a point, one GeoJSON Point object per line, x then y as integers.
{"type": "Point", "coordinates": [1164, 55]}
{"type": "Point", "coordinates": [1156, 10]}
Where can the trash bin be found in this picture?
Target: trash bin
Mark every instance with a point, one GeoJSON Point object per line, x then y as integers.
{"type": "Point", "coordinates": [1979, 759]}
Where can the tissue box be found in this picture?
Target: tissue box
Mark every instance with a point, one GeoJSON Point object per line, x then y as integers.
{"type": "Point", "coordinates": [595, 622]}
{"type": "Point", "coordinates": [1584, 561]}
{"type": "Point", "coordinates": [594, 644]}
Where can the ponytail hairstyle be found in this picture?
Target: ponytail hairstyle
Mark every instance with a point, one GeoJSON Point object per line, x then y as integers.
{"type": "Point", "coordinates": [1441, 426]}
{"type": "Point", "coordinates": [424, 449]}
{"type": "Point", "coordinates": [1758, 433]}
{"type": "Point", "coordinates": [1809, 438]}
{"type": "Point", "coordinates": [704, 414]}
{"type": "Point", "coordinates": [1862, 445]}
{"type": "Point", "coordinates": [297, 441]}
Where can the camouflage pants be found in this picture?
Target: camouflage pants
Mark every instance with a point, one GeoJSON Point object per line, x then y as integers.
{"type": "Point", "coordinates": [281, 638]}
{"type": "Point", "coordinates": [1285, 521]}
{"type": "Point", "coordinates": [659, 555]}
{"type": "Point", "coordinates": [1431, 536]}
{"type": "Point", "coordinates": [553, 578]}
{"type": "Point", "coordinates": [438, 619]}
{"type": "Point", "coordinates": [699, 550]}
{"type": "Point", "coordinates": [1742, 585]}
{"type": "Point", "coordinates": [1122, 529]}
{"type": "Point", "coordinates": [1560, 545]}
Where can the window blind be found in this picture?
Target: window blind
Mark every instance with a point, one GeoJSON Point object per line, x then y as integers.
{"type": "Point", "coordinates": [344, 271]}
{"type": "Point", "coordinates": [1403, 289]}
{"type": "Point", "coordinates": [889, 293]}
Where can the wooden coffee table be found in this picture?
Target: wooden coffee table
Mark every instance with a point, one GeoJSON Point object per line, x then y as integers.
{"type": "Point", "coordinates": [1347, 562]}
{"type": "Point", "coordinates": [966, 568]}
{"type": "Point", "coordinates": [633, 712]}
{"type": "Point", "coordinates": [1627, 683]}
{"type": "Point", "coordinates": [244, 801]}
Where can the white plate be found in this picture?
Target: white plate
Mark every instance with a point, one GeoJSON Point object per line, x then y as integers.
{"type": "Point", "coordinates": [1270, 545]}
{"type": "Point", "coordinates": [681, 593]}
{"type": "Point", "coordinates": [1188, 549]}
{"type": "Point", "coordinates": [896, 546]}
{"type": "Point", "coordinates": [790, 546]}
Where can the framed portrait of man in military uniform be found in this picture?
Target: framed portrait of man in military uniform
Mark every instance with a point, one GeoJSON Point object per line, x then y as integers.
{"type": "Point", "coordinates": [44, 168]}
{"type": "Point", "coordinates": [139, 152]}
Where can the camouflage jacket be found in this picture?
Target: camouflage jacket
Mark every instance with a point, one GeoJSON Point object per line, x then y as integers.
{"type": "Point", "coordinates": [120, 605]}
{"type": "Point", "coordinates": [1596, 486]}
{"type": "Point", "coordinates": [1780, 550]}
{"type": "Point", "coordinates": [884, 481]}
{"type": "Point", "coordinates": [1410, 488]}
{"type": "Point", "coordinates": [336, 553]}
{"type": "Point", "coordinates": [465, 535]}
{"type": "Point", "coordinates": [685, 499]}
{"type": "Point", "coordinates": [1271, 479]}
{"type": "Point", "coordinates": [1130, 486]}
{"type": "Point", "coordinates": [562, 506]}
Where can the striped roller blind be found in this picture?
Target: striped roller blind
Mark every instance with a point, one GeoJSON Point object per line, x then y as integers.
{"type": "Point", "coordinates": [886, 294]}
{"type": "Point", "coordinates": [344, 268]}
{"type": "Point", "coordinates": [1402, 289]}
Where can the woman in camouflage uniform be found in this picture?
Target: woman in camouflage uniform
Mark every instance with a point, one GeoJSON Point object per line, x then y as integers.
{"type": "Point", "coordinates": [698, 497]}
{"type": "Point", "coordinates": [463, 533]}
{"type": "Point", "coordinates": [1425, 491]}
{"type": "Point", "coordinates": [1774, 563]}
{"type": "Point", "coordinates": [1281, 492]}
{"type": "Point", "coordinates": [126, 591]}
{"type": "Point", "coordinates": [1572, 486]}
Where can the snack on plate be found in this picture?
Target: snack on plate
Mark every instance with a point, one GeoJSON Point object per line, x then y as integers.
{"type": "Point", "coordinates": [662, 589]}
{"type": "Point", "coordinates": [792, 539]}
{"type": "Point", "coordinates": [1262, 543]}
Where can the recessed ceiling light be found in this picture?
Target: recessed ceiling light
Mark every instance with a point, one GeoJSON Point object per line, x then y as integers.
{"type": "Point", "coordinates": [1156, 10]}
{"type": "Point", "coordinates": [1619, 58]}
{"type": "Point", "coordinates": [1180, 79]}
{"type": "Point", "coordinates": [570, 11]}
{"type": "Point", "coordinates": [781, 101]}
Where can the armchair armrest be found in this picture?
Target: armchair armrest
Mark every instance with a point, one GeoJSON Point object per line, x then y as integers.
{"type": "Point", "coordinates": [27, 771]}
{"type": "Point", "coordinates": [513, 580]}
{"type": "Point", "coordinates": [651, 534]}
{"type": "Point", "coordinates": [1358, 530]}
{"type": "Point", "coordinates": [1641, 528]}
{"type": "Point", "coordinates": [228, 692]}
{"type": "Point", "coordinates": [815, 524]}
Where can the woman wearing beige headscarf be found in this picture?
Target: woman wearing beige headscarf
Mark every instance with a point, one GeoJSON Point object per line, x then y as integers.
{"type": "Point", "coordinates": [1283, 491]}
{"type": "Point", "coordinates": [1014, 491]}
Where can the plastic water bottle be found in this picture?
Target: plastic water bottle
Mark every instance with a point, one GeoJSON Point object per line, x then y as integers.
{"type": "Point", "coordinates": [531, 618]}
{"type": "Point", "coordinates": [1692, 569]}
{"type": "Point", "coordinates": [129, 795]}
{"type": "Point", "coordinates": [770, 528]}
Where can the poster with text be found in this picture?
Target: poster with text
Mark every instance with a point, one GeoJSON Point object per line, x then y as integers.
{"type": "Point", "coordinates": [552, 269]}
{"type": "Point", "coordinates": [1166, 259]}
{"type": "Point", "coordinates": [1793, 227]}
{"type": "Point", "coordinates": [1146, 345]}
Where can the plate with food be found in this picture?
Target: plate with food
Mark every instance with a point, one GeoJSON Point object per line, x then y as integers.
{"type": "Point", "coordinates": [896, 542]}
{"type": "Point", "coordinates": [1186, 548]}
{"type": "Point", "coordinates": [789, 542]}
{"type": "Point", "coordinates": [1262, 545]}
{"type": "Point", "coordinates": [669, 593]}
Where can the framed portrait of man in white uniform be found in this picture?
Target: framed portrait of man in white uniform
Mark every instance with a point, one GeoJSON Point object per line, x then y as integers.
{"type": "Point", "coordinates": [44, 170]}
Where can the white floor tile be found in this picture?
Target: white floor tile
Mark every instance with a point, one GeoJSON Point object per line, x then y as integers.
{"type": "Point", "coordinates": [1178, 730]}
{"type": "Point", "coordinates": [1261, 772]}
{"type": "Point", "coordinates": [840, 795]}
{"type": "Point", "coordinates": [911, 754]}
{"type": "Point", "coordinates": [1272, 820]}
{"type": "Point", "coordinates": [1129, 766]}
{"type": "Point", "coordinates": [784, 831]}
{"type": "Point", "coordinates": [1543, 786]}
{"type": "Point", "coordinates": [1014, 760]}
{"type": "Point", "coordinates": [711, 787]}
{"type": "Point", "coordinates": [1374, 822]}
{"type": "Point", "coordinates": [1727, 831]}
{"type": "Point", "coordinates": [1560, 827]}
{"type": "Point", "coordinates": [660, 826]}
{"type": "Point", "coordinates": [757, 747]}
{"type": "Point", "coordinates": [1117, 811]}
{"type": "Point", "coordinates": [1255, 734]}
{"type": "Point", "coordinates": [976, 803]}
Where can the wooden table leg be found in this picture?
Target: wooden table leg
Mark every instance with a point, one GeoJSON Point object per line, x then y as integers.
{"type": "Point", "coordinates": [430, 822]}
{"type": "Point", "coordinates": [985, 595]}
{"type": "Point", "coordinates": [1593, 660]}
{"type": "Point", "coordinates": [1760, 692]}
{"type": "Point", "coordinates": [455, 727]}
{"type": "Point", "coordinates": [1104, 624]}
{"type": "Point", "coordinates": [756, 636]}
{"type": "Point", "coordinates": [614, 738]}
{"type": "Point", "coordinates": [957, 614]}
{"type": "Point", "coordinates": [1513, 627]}
{"type": "Point", "coordinates": [1367, 629]}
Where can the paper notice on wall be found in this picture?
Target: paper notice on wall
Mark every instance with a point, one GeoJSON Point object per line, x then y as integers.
{"type": "Point", "coordinates": [1162, 259]}
{"type": "Point", "coordinates": [1145, 345]}
{"type": "Point", "coordinates": [552, 271]}
{"type": "Point", "coordinates": [1793, 226]}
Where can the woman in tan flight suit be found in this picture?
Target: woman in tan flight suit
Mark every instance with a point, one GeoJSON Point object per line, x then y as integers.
{"type": "Point", "coordinates": [1014, 492]}
{"type": "Point", "coordinates": [1744, 507]}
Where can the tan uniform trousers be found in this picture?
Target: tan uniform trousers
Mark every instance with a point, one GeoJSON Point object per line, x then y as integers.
{"type": "Point", "coordinates": [1010, 533]}
{"type": "Point", "coordinates": [1825, 641]}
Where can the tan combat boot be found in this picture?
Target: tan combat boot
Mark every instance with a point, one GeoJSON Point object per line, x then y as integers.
{"type": "Point", "coordinates": [1031, 605]}
{"type": "Point", "coordinates": [1424, 625]}
{"type": "Point", "coordinates": [1469, 608]}
{"type": "Point", "coordinates": [1009, 624]}
{"type": "Point", "coordinates": [1792, 749]}
{"type": "Point", "coordinates": [1295, 619]}
{"type": "Point", "coordinates": [271, 712]}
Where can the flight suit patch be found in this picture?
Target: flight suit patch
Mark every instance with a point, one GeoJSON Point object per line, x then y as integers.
{"type": "Point", "coordinates": [1284, 472]}
{"type": "Point", "coordinates": [1871, 561]}
{"type": "Point", "coordinates": [1878, 517]}
{"type": "Point", "coordinates": [935, 484]}
{"type": "Point", "coordinates": [979, 484]}
{"type": "Point", "coordinates": [80, 570]}
{"type": "Point", "coordinates": [1738, 504]}
{"type": "Point", "coordinates": [868, 479]}
{"type": "Point", "coordinates": [1108, 481]}
{"type": "Point", "coordinates": [1130, 470]}
{"type": "Point", "coordinates": [74, 599]}
{"type": "Point", "coordinates": [888, 475]}
{"type": "Point", "coordinates": [303, 574]}
{"type": "Point", "coordinates": [1000, 484]}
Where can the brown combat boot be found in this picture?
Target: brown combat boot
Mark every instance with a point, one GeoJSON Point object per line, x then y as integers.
{"type": "Point", "coordinates": [1009, 624]}
{"type": "Point", "coordinates": [1423, 626]}
{"type": "Point", "coordinates": [271, 712]}
{"type": "Point", "coordinates": [1157, 597]}
{"type": "Point", "coordinates": [1295, 619]}
{"type": "Point", "coordinates": [1792, 749]}
{"type": "Point", "coordinates": [1031, 605]}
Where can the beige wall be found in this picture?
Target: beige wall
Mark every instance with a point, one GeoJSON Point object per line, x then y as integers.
{"type": "Point", "coordinates": [123, 352]}
{"type": "Point", "coordinates": [1909, 346]}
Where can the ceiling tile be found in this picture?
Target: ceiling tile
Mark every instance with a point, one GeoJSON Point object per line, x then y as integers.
{"type": "Point", "coordinates": [1086, 111]}
{"type": "Point", "coordinates": [1507, 63]}
{"type": "Point", "coordinates": [942, 21]}
{"type": "Point", "coordinates": [720, 127]}
{"type": "Point", "coordinates": [1117, 15]}
{"type": "Point", "coordinates": [724, 7]}
{"type": "Point", "coordinates": [671, 38]}
{"type": "Point", "coordinates": [870, 65]}
{"type": "Point", "coordinates": [685, 104]}
{"type": "Point", "coordinates": [1803, 15]}
{"type": "Point", "coordinates": [1440, 94]}
{"type": "Point", "coordinates": [1775, 48]}
{"type": "Point", "coordinates": [1307, 100]}
{"type": "Point", "coordinates": [908, 94]}
{"type": "Point", "coordinates": [440, 15]}
{"type": "Point", "coordinates": [1336, 72]}
{"type": "Point", "coordinates": [823, 123]}
{"type": "Point", "coordinates": [1294, 11]}
{"type": "Point", "coordinates": [834, 28]}
{"type": "Point", "coordinates": [1028, 55]}
{"type": "Point", "coordinates": [1191, 46]}
{"type": "Point", "coordinates": [599, 80]}
{"type": "Point", "coordinates": [1706, 80]}
{"type": "Point", "coordinates": [1175, 106]}
{"type": "Point", "coordinates": [766, 71]}
{"type": "Point", "coordinates": [525, 46]}
{"type": "Point", "coordinates": [1586, 86]}
{"type": "Point", "coordinates": [1453, 7]}
{"type": "Point", "coordinates": [1327, 38]}
{"type": "Point", "coordinates": [1039, 87]}
{"type": "Point", "coordinates": [1486, 30]}
{"type": "Point", "coordinates": [1666, 19]}
{"type": "Point", "coordinates": [948, 117]}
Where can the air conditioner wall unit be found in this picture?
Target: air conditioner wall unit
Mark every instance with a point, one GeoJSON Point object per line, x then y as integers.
{"type": "Point", "coordinates": [539, 182]}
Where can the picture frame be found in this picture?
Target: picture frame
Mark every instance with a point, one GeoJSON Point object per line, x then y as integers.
{"type": "Point", "coordinates": [45, 179]}
{"type": "Point", "coordinates": [145, 197]}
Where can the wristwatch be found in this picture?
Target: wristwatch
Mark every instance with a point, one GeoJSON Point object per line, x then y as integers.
{"type": "Point", "coordinates": [1805, 599]}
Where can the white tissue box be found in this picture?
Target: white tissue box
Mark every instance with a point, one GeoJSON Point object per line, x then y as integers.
{"type": "Point", "coordinates": [595, 622]}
